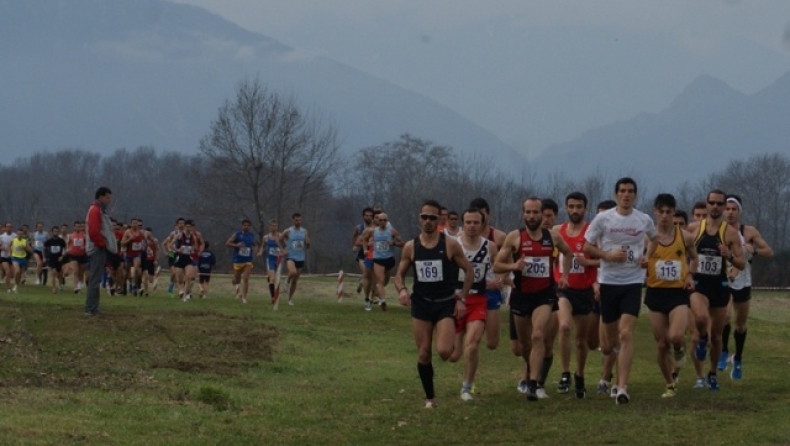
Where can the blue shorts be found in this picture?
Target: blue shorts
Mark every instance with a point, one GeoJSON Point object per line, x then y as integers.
{"type": "Point", "coordinates": [495, 299]}
{"type": "Point", "coordinates": [21, 261]}
{"type": "Point", "coordinates": [271, 263]}
{"type": "Point", "coordinates": [368, 263]}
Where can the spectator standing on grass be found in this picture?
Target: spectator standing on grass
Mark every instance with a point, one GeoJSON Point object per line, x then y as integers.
{"type": "Point", "coordinates": [100, 242]}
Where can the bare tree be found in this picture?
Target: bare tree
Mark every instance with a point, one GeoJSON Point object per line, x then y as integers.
{"type": "Point", "coordinates": [264, 157]}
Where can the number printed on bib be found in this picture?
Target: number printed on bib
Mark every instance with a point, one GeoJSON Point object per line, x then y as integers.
{"type": "Point", "coordinates": [630, 254]}
{"type": "Point", "coordinates": [245, 251]}
{"type": "Point", "coordinates": [137, 246]}
{"type": "Point", "coordinates": [668, 271]}
{"type": "Point", "coordinates": [429, 270]}
{"type": "Point", "coordinates": [274, 252]}
{"type": "Point", "coordinates": [710, 265]}
{"type": "Point", "coordinates": [382, 246]}
{"type": "Point", "coordinates": [297, 244]}
{"type": "Point", "coordinates": [536, 267]}
{"type": "Point", "coordinates": [575, 267]}
{"type": "Point", "coordinates": [54, 249]}
{"type": "Point", "coordinates": [186, 249]}
{"type": "Point", "coordinates": [479, 270]}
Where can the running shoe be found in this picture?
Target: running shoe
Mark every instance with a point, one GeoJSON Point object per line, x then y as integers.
{"type": "Point", "coordinates": [522, 387]}
{"type": "Point", "coordinates": [578, 385]}
{"type": "Point", "coordinates": [723, 361]}
{"type": "Point", "coordinates": [713, 382]}
{"type": "Point", "coordinates": [702, 349]}
{"type": "Point", "coordinates": [15, 290]}
{"type": "Point", "coordinates": [466, 395]}
{"type": "Point", "coordinates": [565, 383]}
{"type": "Point", "coordinates": [613, 393]}
{"type": "Point", "coordinates": [679, 356]}
{"type": "Point", "coordinates": [603, 387]}
{"type": "Point", "coordinates": [430, 404]}
{"type": "Point", "coordinates": [290, 302]}
{"type": "Point", "coordinates": [368, 305]}
{"type": "Point", "coordinates": [532, 393]}
{"type": "Point", "coordinates": [622, 397]}
{"type": "Point", "coordinates": [676, 377]}
{"type": "Point", "coordinates": [541, 393]}
{"type": "Point", "coordinates": [737, 370]}
{"type": "Point", "coordinates": [669, 392]}
{"type": "Point", "coordinates": [699, 383]}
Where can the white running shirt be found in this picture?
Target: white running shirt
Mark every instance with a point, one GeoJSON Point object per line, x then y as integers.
{"type": "Point", "coordinates": [611, 231]}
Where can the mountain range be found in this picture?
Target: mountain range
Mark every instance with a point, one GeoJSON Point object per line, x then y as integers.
{"type": "Point", "coordinates": [101, 75]}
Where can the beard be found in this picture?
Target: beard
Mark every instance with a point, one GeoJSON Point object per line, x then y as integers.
{"type": "Point", "coordinates": [533, 225]}
{"type": "Point", "coordinates": [576, 218]}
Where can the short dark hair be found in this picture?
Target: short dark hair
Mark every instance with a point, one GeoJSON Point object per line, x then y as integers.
{"type": "Point", "coordinates": [296, 214]}
{"type": "Point", "coordinates": [180, 219]}
{"type": "Point", "coordinates": [366, 210]}
{"type": "Point", "coordinates": [667, 200]}
{"type": "Point", "coordinates": [246, 221]}
{"type": "Point", "coordinates": [473, 211]}
{"type": "Point", "coordinates": [453, 213]}
{"type": "Point", "coordinates": [717, 192]}
{"type": "Point", "coordinates": [682, 214]}
{"type": "Point", "coordinates": [606, 205]}
{"type": "Point", "coordinates": [576, 196]}
{"type": "Point", "coordinates": [700, 205]}
{"type": "Point", "coordinates": [189, 222]}
{"type": "Point", "coordinates": [548, 203]}
{"type": "Point", "coordinates": [480, 203]}
{"type": "Point", "coordinates": [102, 191]}
{"type": "Point", "coordinates": [431, 203]}
{"type": "Point", "coordinates": [624, 180]}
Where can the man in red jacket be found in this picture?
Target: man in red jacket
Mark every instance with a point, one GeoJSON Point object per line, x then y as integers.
{"type": "Point", "coordinates": [100, 242]}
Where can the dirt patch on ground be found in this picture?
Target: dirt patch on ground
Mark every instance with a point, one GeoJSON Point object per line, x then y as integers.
{"type": "Point", "coordinates": [44, 345]}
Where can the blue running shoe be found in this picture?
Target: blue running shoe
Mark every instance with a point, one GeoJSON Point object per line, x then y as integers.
{"type": "Point", "coordinates": [170, 287]}
{"type": "Point", "coordinates": [702, 349]}
{"type": "Point", "coordinates": [737, 371]}
{"type": "Point", "coordinates": [713, 383]}
{"type": "Point", "coordinates": [723, 361]}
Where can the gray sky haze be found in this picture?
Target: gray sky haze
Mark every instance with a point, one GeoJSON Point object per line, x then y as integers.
{"type": "Point", "coordinates": [536, 72]}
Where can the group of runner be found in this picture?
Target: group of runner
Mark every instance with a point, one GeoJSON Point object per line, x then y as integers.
{"type": "Point", "coordinates": [581, 277]}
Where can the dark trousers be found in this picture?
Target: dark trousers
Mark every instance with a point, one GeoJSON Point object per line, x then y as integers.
{"type": "Point", "coordinates": [95, 273]}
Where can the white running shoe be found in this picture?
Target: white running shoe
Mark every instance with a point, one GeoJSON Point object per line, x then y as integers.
{"type": "Point", "coordinates": [38, 281]}
{"type": "Point", "coordinates": [622, 397]}
{"type": "Point", "coordinates": [368, 306]}
{"type": "Point", "coordinates": [541, 393]}
{"type": "Point", "coordinates": [430, 404]}
{"type": "Point", "coordinates": [522, 387]}
{"type": "Point", "coordinates": [700, 383]}
{"type": "Point", "coordinates": [290, 302]}
{"type": "Point", "coordinates": [466, 395]}
{"type": "Point", "coordinates": [15, 289]}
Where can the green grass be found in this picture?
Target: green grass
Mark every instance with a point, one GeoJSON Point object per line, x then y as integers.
{"type": "Point", "coordinates": [156, 371]}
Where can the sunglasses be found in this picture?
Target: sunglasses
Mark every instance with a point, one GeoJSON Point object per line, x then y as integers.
{"type": "Point", "coordinates": [431, 217]}
{"type": "Point", "coordinates": [716, 203]}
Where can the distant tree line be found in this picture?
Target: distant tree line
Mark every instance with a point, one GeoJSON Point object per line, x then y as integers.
{"type": "Point", "coordinates": [263, 158]}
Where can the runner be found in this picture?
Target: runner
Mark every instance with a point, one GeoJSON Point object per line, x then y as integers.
{"type": "Point", "coordinates": [296, 241]}
{"type": "Point", "coordinates": [168, 243]}
{"type": "Point", "coordinates": [671, 264]}
{"type": "Point", "coordinates": [20, 248]}
{"type": "Point", "coordinates": [435, 261]}
{"type": "Point", "coordinates": [384, 237]}
{"type": "Point", "coordinates": [243, 244]}
{"type": "Point", "coordinates": [359, 251]}
{"type": "Point", "coordinates": [188, 246]}
{"type": "Point", "coordinates": [528, 253]}
{"type": "Point", "coordinates": [6, 238]}
{"type": "Point", "coordinates": [597, 331]}
{"type": "Point", "coordinates": [470, 327]}
{"type": "Point", "coordinates": [617, 237]}
{"type": "Point", "coordinates": [452, 229]}
{"type": "Point", "coordinates": [39, 238]}
{"type": "Point", "coordinates": [149, 264]}
{"type": "Point", "coordinates": [206, 265]}
{"type": "Point", "coordinates": [698, 212]}
{"type": "Point", "coordinates": [576, 301]}
{"type": "Point", "coordinates": [77, 255]}
{"type": "Point", "coordinates": [549, 211]}
{"type": "Point", "coordinates": [718, 246]}
{"type": "Point", "coordinates": [753, 244]}
{"type": "Point", "coordinates": [271, 244]}
{"type": "Point", "coordinates": [134, 240]}
{"type": "Point", "coordinates": [54, 249]}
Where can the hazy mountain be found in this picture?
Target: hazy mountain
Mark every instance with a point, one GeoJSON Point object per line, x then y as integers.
{"type": "Point", "coordinates": [100, 75]}
{"type": "Point", "coordinates": [706, 126]}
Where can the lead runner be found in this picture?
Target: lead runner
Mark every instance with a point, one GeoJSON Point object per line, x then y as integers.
{"type": "Point", "coordinates": [435, 260]}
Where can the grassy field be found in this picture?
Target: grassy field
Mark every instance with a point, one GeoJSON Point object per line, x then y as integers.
{"type": "Point", "coordinates": [155, 370]}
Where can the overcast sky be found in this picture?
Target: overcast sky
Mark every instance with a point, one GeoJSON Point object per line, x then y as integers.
{"type": "Point", "coordinates": [536, 73]}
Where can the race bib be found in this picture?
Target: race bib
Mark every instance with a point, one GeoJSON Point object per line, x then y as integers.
{"type": "Point", "coordinates": [274, 252]}
{"type": "Point", "coordinates": [575, 267]}
{"type": "Point", "coordinates": [19, 249]}
{"type": "Point", "coordinates": [186, 249]}
{"type": "Point", "coordinates": [710, 265]}
{"type": "Point", "coordinates": [54, 249]}
{"type": "Point", "coordinates": [244, 252]}
{"type": "Point", "coordinates": [479, 270]}
{"type": "Point", "coordinates": [631, 257]}
{"type": "Point", "coordinates": [297, 244]}
{"type": "Point", "coordinates": [137, 246]}
{"type": "Point", "coordinates": [536, 267]}
{"type": "Point", "coordinates": [77, 242]}
{"type": "Point", "coordinates": [668, 271]}
{"type": "Point", "coordinates": [429, 270]}
{"type": "Point", "coordinates": [381, 246]}
{"type": "Point", "coordinates": [38, 244]}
